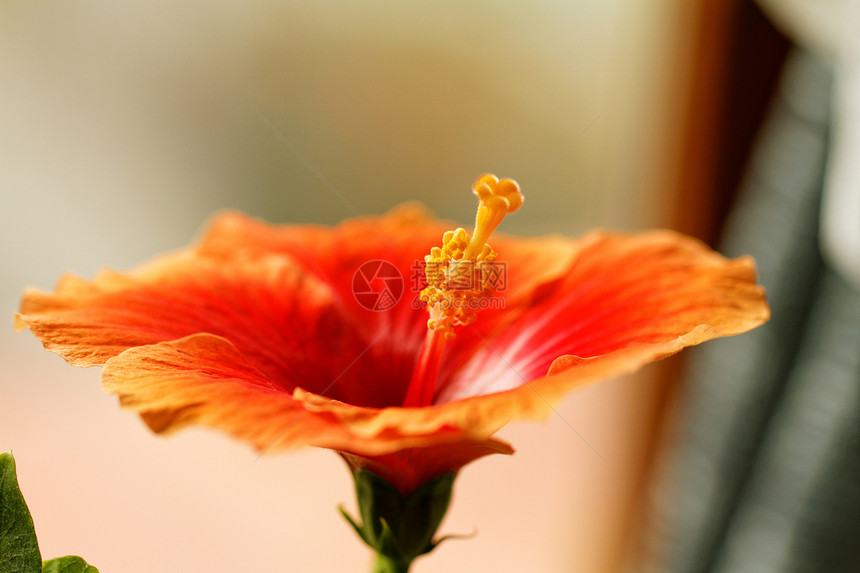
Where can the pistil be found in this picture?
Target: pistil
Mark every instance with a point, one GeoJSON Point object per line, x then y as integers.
{"type": "Point", "coordinates": [497, 198]}
{"type": "Point", "coordinates": [423, 383]}
{"type": "Point", "coordinates": [457, 283]}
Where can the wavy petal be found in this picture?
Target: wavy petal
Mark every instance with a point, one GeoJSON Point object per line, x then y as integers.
{"type": "Point", "coordinates": [280, 318]}
{"type": "Point", "coordinates": [620, 290]}
{"type": "Point", "coordinates": [334, 254]}
{"type": "Point", "coordinates": [205, 380]}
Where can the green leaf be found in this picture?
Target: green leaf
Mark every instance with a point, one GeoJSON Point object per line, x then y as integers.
{"type": "Point", "coordinates": [19, 550]}
{"type": "Point", "coordinates": [68, 564]}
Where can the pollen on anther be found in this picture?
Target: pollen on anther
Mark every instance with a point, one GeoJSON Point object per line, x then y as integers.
{"type": "Point", "coordinates": [455, 272]}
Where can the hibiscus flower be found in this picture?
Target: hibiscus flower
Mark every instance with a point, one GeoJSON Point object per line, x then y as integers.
{"type": "Point", "coordinates": [257, 330]}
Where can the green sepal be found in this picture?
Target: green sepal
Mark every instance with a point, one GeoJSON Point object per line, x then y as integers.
{"type": "Point", "coordinates": [19, 549]}
{"type": "Point", "coordinates": [358, 529]}
{"type": "Point", "coordinates": [458, 536]}
{"type": "Point", "coordinates": [399, 527]}
{"type": "Point", "coordinates": [68, 564]}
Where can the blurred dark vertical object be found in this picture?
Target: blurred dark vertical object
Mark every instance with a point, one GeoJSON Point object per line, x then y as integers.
{"type": "Point", "coordinates": [736, 55]}
{"type": "Point", "coordinates": [728, 64]}
{"type": "Point", "coordinates": [765, 473]}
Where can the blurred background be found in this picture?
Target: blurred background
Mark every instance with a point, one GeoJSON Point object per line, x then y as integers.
{"type": "Point", "coordinates": [125, 125]}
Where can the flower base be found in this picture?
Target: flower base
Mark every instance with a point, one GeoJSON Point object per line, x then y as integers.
{"type": "Point", "coordinates": [399, 527]}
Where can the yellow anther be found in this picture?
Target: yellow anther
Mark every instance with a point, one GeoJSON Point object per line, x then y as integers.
{"type": "Point", "coordinates": [459, 276]}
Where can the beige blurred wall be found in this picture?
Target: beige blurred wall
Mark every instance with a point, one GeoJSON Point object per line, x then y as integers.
{"type": "Point", "coordinates": [124, 125]}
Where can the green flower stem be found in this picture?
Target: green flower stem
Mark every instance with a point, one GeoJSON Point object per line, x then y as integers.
{"type": "Point", "coordinates": [386, 564]}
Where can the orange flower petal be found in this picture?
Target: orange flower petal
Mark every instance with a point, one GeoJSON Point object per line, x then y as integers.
{"type": "Point", "coordinates": [281, 319]}
{"type": "Point", "coordinates": [205, 380]}
{"type": "Point", "coordinates": [334, 254]}
{"type": "Point", "coordinates": [620, 291]}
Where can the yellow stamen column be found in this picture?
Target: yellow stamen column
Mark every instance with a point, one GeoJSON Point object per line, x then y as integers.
{"type": "Point", "coordinates": [460, 257]}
